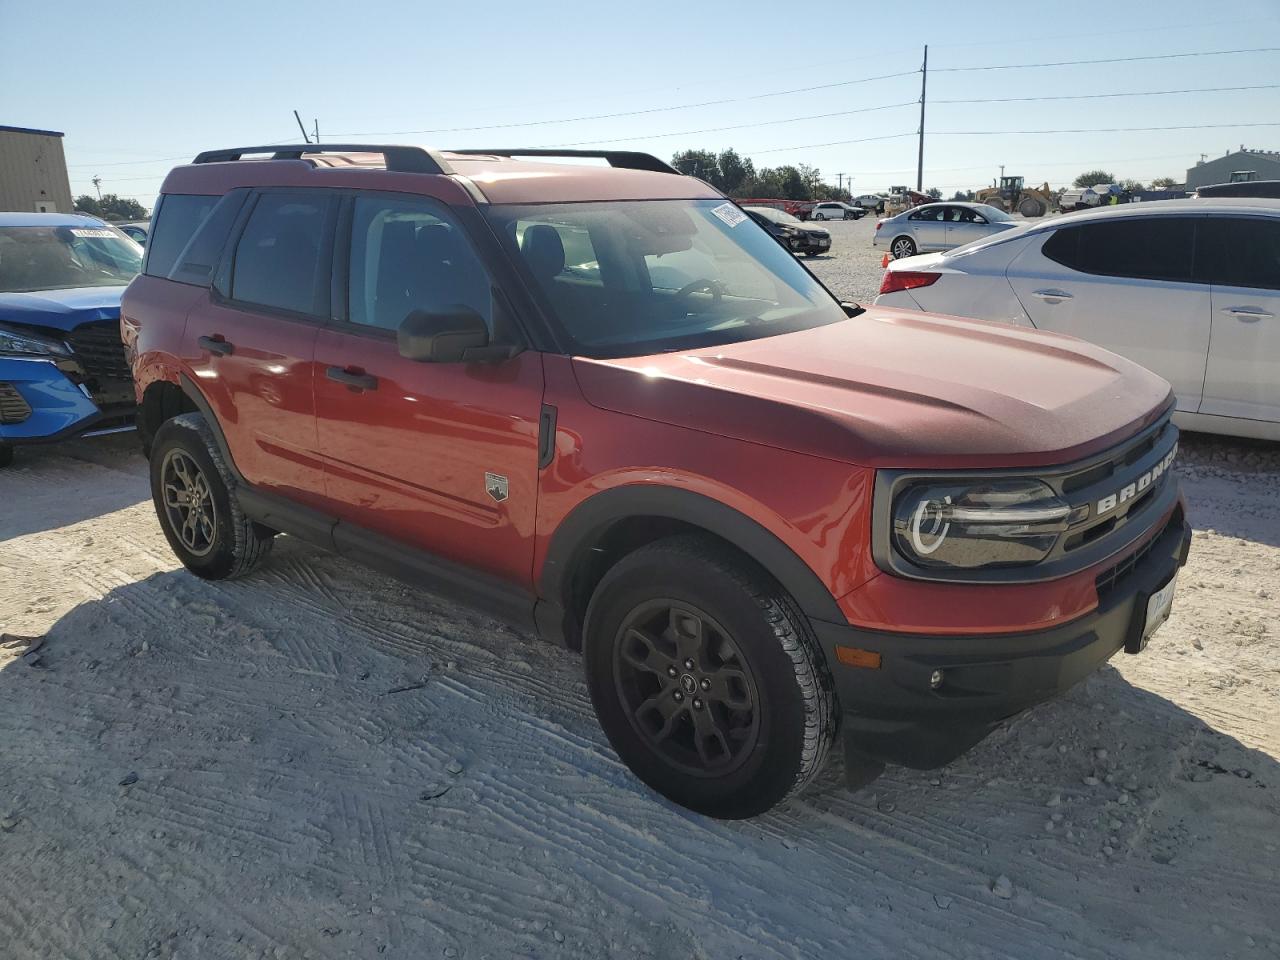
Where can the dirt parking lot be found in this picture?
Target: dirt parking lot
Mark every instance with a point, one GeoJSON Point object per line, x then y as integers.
{"type": "Point", "coordinates": [320, 762]}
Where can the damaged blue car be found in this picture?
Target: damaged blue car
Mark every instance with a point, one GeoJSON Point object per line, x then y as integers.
{"type": "Point", "coordinates": [63, 371]}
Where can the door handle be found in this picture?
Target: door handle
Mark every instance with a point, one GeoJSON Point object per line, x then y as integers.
{"type": "Point", "coordinates": [1248, 314]}
{"type": "Point", "coordinates": [217, 344]}
{"type": "Point", "coordinates": [1051, 296]}
{"type": "Point", "coordinates": [352, 378]}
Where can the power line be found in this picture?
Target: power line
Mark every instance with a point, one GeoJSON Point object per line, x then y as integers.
{"type": "Point", "coordinates": [1074, 63]}
{"type": "Point", "coordinates": [1183, 126]}
{"type": "Point", "coordinates": [834, 143]}
{"type": "Point", "coordinates": [738, 126]}
{"type": "Point", "coordinates": [628, 113]}
{"type": "Point", "coordinates": [1100, 96]}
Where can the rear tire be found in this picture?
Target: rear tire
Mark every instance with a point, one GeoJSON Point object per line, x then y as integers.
{"type": "Point", "coordinates": [902, 247]}
{"type": "Point", "coordinates": [6, 454]}
{"type": "Point", "coordinates": [707, 678]}
{"type": "Point", "coordinates": [194, 496]}
{"type": "Point", "coordinates": [819, 216]}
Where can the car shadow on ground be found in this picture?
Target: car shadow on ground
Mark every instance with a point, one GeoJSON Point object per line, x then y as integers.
{"type": "Point", "coordinates": [57, 485]}
{"type": "Point", "coordinates": [406, 774]}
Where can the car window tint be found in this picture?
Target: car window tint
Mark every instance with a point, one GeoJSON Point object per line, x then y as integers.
{"type": "Point", "coordinates": [1063, 246]}
{"type": "Point", "coordinates": [1149, 248]}
{"type": "Point", "coordinates": [278, 258]}
{"type": "Point", "coordinates": [196, 261]}
{"type": "Point", "coordinates": [409, 255]}
{"type": "Point", "coordinates": [1239, 252]}
{"type": "Point", "coordinates": [176, 220]}
{"type": "Point", "coordinates": [932, 214]}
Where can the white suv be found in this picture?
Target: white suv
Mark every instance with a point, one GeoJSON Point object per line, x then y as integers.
{"type": "Point", "coordinates": [1187, 288]}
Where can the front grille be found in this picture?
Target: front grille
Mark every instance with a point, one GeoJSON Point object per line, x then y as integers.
{"type": "Point", "coordinates": [1082, 487]}
{"type": "Point", "coordinates": [100, 351]}
{"type": "Point", "coordinates": [13, 407]}
{"type": "Point", "coordinates": [1112, 577]}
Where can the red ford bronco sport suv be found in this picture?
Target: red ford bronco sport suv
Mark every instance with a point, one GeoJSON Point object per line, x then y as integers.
{"type": "Point", "coordinates": [603, 403]}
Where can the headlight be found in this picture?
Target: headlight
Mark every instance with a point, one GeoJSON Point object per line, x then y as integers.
{"type": "Point", "coordinates": [990, 523]}
{"type": "Point", "coordinates": [21, 343]}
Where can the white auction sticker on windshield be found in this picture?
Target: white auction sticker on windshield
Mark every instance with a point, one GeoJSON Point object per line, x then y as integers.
{"type": "Point", "coordinates": [91, 232]}
{"type": "Point", "coordinates": [730, 214]}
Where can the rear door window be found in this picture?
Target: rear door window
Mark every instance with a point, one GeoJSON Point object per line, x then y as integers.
{"type": "Point", "coordinates": [177, 217]}
{"type": "Point", "coordinates": [1239, 252]}
{"type": "Point", "coordinates": [1149, 248]}
{"type": "Point", "coordinates": [282, 257]}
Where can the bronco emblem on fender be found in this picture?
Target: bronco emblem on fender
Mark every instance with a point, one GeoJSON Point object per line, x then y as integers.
{"type": "Point", "coordinates": [496, 486]}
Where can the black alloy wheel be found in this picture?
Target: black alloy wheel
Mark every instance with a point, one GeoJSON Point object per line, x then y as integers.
{"type": "Point", "coordinates": [686, 687]}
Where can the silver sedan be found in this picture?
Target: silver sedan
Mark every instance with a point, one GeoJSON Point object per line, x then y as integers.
{"type": "Point", "coordinates": [931, 227]}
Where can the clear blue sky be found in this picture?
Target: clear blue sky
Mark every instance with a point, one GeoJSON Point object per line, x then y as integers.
{"type": "Point", "coordinates": [136, 84]}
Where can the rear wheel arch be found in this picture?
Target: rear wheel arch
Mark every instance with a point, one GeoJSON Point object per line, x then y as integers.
{"type": "Point", "coordinates": [614, 523]}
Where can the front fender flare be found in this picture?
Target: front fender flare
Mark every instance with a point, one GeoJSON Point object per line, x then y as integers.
{"type": "Point", "coordinates": [588, 521]}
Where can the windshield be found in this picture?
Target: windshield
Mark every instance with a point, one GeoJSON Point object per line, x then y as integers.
{"type": "Point", "coordinates": [58, 258]}
{"type": "Point", "coordinates": [774, 214]}
{"type": "Point", "coordinates": [993, 214]}
{"type": "Point", "coordinates": [628, 278]}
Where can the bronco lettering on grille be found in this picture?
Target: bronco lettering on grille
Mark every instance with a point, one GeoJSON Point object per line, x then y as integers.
{"type": "Point", "coordinates": [1140, 485]}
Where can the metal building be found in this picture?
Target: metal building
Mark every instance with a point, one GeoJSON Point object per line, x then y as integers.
{"type": "Point", "coordinates": [33, 171]}
{"type": "Point", "coordinates": [1262, 164]}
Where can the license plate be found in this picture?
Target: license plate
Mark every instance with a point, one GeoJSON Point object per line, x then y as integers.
{"type": "Point", "coordinates": [1159, 605]}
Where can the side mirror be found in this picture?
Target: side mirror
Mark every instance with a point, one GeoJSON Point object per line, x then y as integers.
{"type": "Point", "coordinates": [453, 334]}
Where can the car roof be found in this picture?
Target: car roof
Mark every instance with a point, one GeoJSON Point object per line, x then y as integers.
{"type": "Point", "coordinates": [484, 178]}
{"type": "Point", "coordinates": [1153, 208]}
{"type": "Point", "coordinates": [16, 219]}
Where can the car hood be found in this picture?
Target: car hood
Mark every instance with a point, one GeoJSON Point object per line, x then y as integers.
{"type": "Point", "coordinates": [61, 309]}
{"type": "Point", "coordinates": [895, 388]}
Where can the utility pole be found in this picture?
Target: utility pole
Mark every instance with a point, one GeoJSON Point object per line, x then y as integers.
{"type": "Point", "coordinates": [924, 79]}
{"type": "Point", "coordinates": [317, 123]}
{"type": "Point", "coordinates": [305, 138]}
{"type": "Point", "coordinates": [97, 185]}
{"type": "Point", "coordinates": [839, 181]}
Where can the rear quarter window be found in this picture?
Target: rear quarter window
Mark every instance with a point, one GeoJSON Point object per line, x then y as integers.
{"type": "Point", "coordinates": [177, 217]}
{"type": "Point", "coordinates": [196, 262]}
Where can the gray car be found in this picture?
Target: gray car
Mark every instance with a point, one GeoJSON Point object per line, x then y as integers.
{"type": "Point", "coordinates": [931, 227]}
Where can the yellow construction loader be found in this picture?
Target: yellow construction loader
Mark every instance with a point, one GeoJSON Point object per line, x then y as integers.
{"type": "Point", "coordinates": [1012, 196]}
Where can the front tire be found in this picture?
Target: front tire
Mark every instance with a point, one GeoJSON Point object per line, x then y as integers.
{"type": "Point", "coordinates": [903, 247]}
{"type": "Point", "coordinates": [194, 496]}
{"type": "Point", "coordinates": [707, 678]}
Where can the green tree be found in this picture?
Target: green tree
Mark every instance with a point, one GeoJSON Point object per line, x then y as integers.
{"type": "Point", "coordinates": [1092, 178]}
{"type": "Point", "coordinates": [793, 183]}
{"type": "Point", "coordinates": [1132, 185]}
{"type": "Point", "coordinates": [699, 163]}
{"type": "Point", "coordinates": [1164, 183]}
{"type": "Point", "coordinates": [734, 171]}
{"type": "Point", "coordinates": [111, 207]}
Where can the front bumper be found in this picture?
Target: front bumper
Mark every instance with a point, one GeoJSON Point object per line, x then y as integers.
{"type": "Point", "coordinates": [893, 715]}
{"type": "Point", "coordinates": [44, 405]}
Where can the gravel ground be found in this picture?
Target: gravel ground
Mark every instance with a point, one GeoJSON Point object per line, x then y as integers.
{"type": "Point", "coordinates": [852, 269]}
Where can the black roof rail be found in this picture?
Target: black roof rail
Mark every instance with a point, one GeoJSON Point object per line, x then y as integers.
{"type": "Point", "coordinates": [626, 159]}
{"type": "Point", "coordinates": [398, 157]}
